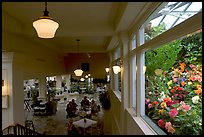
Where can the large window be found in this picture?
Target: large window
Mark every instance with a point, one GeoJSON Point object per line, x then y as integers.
{"type": "Point", "coordinates": [169, 95]}
{"type": "Point", "coordinates": [173, 95]}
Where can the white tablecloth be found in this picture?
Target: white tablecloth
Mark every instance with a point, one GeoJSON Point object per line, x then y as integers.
{"type": "Point", "coordinates": [81, 123]}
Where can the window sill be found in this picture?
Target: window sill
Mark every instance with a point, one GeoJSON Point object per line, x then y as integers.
{"type": "Point", "coordinates": [118, 95]}
{"type": "Point", "coordinates": [144, 127]}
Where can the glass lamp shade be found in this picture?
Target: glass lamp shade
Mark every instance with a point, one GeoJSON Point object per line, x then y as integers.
{"type": "Point", "coordinates": [116, 69]}
{"type": "Point", "coordinates": [82, 79]}
{"type": "Point", "coordinates": [45, 27]}
{"type": "Point", "coordinates": [107, 70]}
{"type": "Point", "coordinates": [78, 72]}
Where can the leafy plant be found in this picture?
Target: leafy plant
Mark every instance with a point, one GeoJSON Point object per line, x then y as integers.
{"type": "Point", "coordinates": [174, 96]}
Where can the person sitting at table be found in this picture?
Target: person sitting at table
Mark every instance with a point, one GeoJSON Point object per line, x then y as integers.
{"type": "Point", "coordinates": [94, 108]}
{"type": "Point", "coordinates": [71, 109]}
{"type": "Point", "coordinates": [85, 103]}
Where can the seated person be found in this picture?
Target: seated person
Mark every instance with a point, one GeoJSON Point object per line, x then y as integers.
{"type": "Point", "coordinates": [71, 108]}
{"type": "Point", "coordinates": [94, 108]}
{"type": "Point", "coordinates": [85, 103]}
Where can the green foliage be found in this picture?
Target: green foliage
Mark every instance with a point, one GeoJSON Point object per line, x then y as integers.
{"type": "Point", "coordinates": [191, 52]}
{"type": "Point", "coordinates": [163, 57]}
{"type": "Point", "coordinates": [155, 31]}
{"type": "Point", "coordinates": [175, 92]}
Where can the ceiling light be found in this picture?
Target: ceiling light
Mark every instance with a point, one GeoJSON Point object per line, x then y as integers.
{"type": "Point", "coordinates": [78, 71]}
{"type": "Point", "coordinates": [82, 79]}
{"type": "Point", "coordinates": [45, 25]}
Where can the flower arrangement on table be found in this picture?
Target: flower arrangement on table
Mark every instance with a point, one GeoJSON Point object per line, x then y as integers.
{"type": "Point", "coordinates": [174, 102]}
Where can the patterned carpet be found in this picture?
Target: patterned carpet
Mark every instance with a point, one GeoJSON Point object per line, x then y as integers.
{"type": "Point", "coordinates": [56, 124]}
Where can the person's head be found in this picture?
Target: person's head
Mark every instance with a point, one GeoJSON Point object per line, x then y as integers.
{"type": "Point", "coordinates": [73, 100]}
{"type": "Point", "coordinates": [85, 97]}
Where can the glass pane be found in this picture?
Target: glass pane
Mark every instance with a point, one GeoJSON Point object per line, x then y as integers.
{"type": "Point", "coordinates": [170, 15]}
{"type": "Point", "coordinates": [133, 46]}
{"type": "Point", "coordinates": [173, 86]}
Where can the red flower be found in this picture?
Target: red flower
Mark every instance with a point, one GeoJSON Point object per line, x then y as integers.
{"type": "Point", "coordinates": [180, 89]}
{"type": "Point", "coordinates": [161, 123]}
{"type": "Point", "coordinates": [155, 103]}
{"type": "Point", "coordinates": [172, 90]}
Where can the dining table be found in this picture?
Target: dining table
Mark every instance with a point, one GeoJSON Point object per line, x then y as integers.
{"type": "Point", "coordinates": [84, 123]}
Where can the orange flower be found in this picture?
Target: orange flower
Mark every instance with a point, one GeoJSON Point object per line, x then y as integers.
{"type": "Point", "coordinates": [167, 100]}
{"type": "Point", "coordinates": [183, 83]}
{"type": "Point", "coordinates": [198, 91]}
{"type": "Point", "coordinates": [182, 66]}
{"type": "Point", "coordinates": [199, 86]}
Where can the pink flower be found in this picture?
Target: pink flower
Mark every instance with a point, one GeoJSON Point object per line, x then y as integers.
{"type": "Point", "coordinates": [167, 125]}
{"type": "Point", "coordinates": [191, 65]}
{"type": "Point", "coordinates": [184, 107]}
{"type": "Point", "coordinates": [193, 78]}
{"type": "Point", "coordinates": [146, 100]}
{"type": "Point", "coordinates": [171, 130]}
{"type": "Point", "coordinates": [175, 79]}
{"type": "Point", "coordinates": [173, 113]}
{"type": "Point", "coordinates": [149, 105]}
{"type": "Point", "coordinates": [199, 79]}
{"type": "Point", "coordinates": [161, 123]}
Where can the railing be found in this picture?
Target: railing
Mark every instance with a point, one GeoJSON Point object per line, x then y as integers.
{"type": "Point", "coordinates": [18, 129]}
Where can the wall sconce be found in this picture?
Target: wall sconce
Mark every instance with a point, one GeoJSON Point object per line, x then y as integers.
{"type": "Point", "coordinates": [107, 69]}
{"type": "Point", "coordinates": [2, 83]}
{"type": "Point", "coordinates": [116, 69]}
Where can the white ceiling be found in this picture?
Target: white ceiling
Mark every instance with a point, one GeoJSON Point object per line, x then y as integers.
{"type": "Point", "coordinates": [94, 23]}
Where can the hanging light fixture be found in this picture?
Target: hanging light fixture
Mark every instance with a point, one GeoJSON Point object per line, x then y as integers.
{"type": "Point", "coordinates": [45, 25]}
{"type": "Point", "coordinates": [78, 71]}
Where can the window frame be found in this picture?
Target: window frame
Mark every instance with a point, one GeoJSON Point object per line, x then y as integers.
{"type": "Point", "coordinates": [192, 24]}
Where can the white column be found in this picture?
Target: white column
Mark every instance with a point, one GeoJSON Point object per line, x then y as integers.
{"type": "Point", "coordinates": [68, 81]}
{"type": "Point", "coordinates": [59, 82]}
{"type": "Point", "coordinates": [123, 38]}
{"type": "Point", "coordinates": [12, 73]}
{"type": "Point", "coordinates": [42, 87]}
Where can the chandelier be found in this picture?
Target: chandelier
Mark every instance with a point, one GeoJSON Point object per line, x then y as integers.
{"type": "Point", "coordinates": [78, 71]}
{"type": "Point", "coordinates": [45, 26]}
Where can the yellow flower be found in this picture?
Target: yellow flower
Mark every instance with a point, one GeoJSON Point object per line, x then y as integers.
{"type": "Point", "coordinates": [170, 87]}
{"type": "Point", "coordinates": [158, 72]}
{"type": "Point", "coordinates": [169, 83]}
{"type": "Point", "coordinates": [160, 112]}
{"type": "Point", "coordinates": [189, 83]}
{"type": "Point", "coordinates": [163, 105]}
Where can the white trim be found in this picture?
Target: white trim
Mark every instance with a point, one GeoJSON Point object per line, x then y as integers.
{"type": "Point", "coordinates": [117, 94]}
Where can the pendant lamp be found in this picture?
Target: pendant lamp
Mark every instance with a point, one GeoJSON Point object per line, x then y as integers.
{"type": "Point", "coordinates": [45, 26]}
{"type": "Point", "coordinates": [78, 71]}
